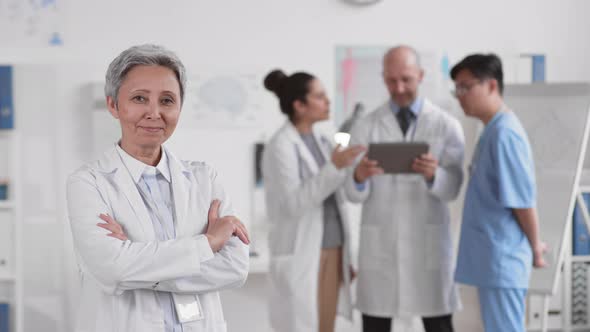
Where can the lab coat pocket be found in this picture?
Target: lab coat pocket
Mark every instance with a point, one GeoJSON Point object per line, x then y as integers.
{"type": "Point", "coordinates": [369, 249]}
{"type": "Point", "coordinates": [438, 247]}
{"type": "Point", "coordinates": [281, 273]}
{"type": "Point", "coordinates": [205, 325]}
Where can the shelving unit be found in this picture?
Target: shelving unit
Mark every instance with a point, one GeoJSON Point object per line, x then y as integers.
{"type": "Point", "coordinates": [259, 264]}
{"type": "Point", "coordinates": [572, 308]}
{"type": "Point", "coordinates": [7, 277]}
{"type": "Point", "coordinates": [572, 264]}
{"type": "Point", "coordinates": [11, 281]}
{"type": "Point", "coordinates": [6, 205]}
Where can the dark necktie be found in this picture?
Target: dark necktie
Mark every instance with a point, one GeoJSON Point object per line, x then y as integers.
{"type": "Point", "coordinates": [404, 118]}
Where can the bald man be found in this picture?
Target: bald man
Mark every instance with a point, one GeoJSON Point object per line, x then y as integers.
{"type": "Point", "coordinates": [406, 250]}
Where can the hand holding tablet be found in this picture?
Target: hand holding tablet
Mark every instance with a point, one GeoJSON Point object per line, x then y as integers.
{"type": "Point", "coordinates": [398, 157]}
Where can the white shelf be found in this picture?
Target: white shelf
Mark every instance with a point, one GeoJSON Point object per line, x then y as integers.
{"type": "Point", "coordinates": [6, 132]}
{"type": "Point", "coordinates": [580, 258]}
{"type": "Point", "coordinates": [7, 135]}
{"type": "Point", "coordinates": [6, 205]}
{"type": "Point", "coordinates": [7, 277]}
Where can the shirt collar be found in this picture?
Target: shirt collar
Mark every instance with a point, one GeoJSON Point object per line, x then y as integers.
{"type": "Point", "coordinates": [496, 118]}
{"type": "Point", "coordinates": [415, 107]}
{"type": "Point", "coordinates": [138, 168]}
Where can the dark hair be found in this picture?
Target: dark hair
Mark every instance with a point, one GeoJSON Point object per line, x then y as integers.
{"type": "Point", "coordinates": [288, 89]}
{"type": "Point", "coordinates": [482, 66]}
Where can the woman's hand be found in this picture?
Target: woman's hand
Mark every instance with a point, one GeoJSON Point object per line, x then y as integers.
{"type": "Point", "coordinates": [219, 230]}
{"type": "Point", "coordinates": [112, 226]}
{"type": "Point", "coordinates": [346, 157]}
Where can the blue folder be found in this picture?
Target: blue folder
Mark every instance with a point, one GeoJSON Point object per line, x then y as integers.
{"type": "Point", "coordinates": [581, 237]}
{"type": "Point", "coordinates": [538, 68]}
{"type": "Point", "coordinates": [4, 315]}
{"type": "Point", "coordinates": [6, 98]}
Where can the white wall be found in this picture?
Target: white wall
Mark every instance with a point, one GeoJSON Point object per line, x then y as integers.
{"type": "Point", "coordinates": [263, 34]}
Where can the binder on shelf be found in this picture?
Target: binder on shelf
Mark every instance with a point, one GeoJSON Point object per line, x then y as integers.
{"type": "Point", "coordinates": [6, 244]}
{"type": "Point", "coordinates": [581, 236]}
{"type": "Point", "coordinates": [531, 68]}
{"type": "Point", "coordinates": [4, 184]}
{"type": "Point", "coordinates": [6, 98]}
{"type": "Point", "coordinates": [538, 67]}
{"type": "Point", "coordinates": [4, 317]}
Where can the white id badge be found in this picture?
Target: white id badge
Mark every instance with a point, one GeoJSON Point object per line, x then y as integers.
{"type": "Point", "coordinates": [188, 307]}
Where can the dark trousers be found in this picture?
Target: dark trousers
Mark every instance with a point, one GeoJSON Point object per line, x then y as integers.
{"type": "Point", "coordinates": [431, 324]}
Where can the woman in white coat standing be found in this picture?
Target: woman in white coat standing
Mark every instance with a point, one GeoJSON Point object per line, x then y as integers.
{"type": "Point", "coordinates": [309, 239]}
{"type": "Point", "coordinates": [155, 236]}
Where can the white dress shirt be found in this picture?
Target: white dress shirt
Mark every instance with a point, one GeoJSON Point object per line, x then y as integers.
{"type": "Point", "coordinates": [154, 186]}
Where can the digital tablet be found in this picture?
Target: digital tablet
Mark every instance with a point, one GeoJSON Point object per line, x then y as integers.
{"type": "Point", "coordinates": [396, 157]}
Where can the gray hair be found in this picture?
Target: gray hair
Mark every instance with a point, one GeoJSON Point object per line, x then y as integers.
{"type": "Point", "coordinates": [148, 55]}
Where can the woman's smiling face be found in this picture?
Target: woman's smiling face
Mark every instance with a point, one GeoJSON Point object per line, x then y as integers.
{"type": "Point", "coordinates": [148, 106]}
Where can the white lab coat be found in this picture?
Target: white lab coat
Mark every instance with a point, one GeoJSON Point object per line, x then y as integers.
{"type": "Point", "coordinates": [406, 252]}
{"type": "Point", "coordinates": [119, 278]}
{"type": "Point", "coordinates": [295, 189]}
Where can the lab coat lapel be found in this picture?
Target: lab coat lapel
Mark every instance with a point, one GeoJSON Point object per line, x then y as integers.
{"type": "Point", "coordinates": [422, 123]}
{"type": "Point", "coordinates": [324, 144]}
{"type": "Point", "coordinates": [302, 149]}
{"type": "Point", "coordinates": [180, 192]}
{"type": "Point", "coordinates": [125, 182]}
{"type": "Point", "coordinates": [389, 125]}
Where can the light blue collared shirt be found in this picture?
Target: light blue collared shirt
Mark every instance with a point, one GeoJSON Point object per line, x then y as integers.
{"type": "Point", "coordinates": [416, 108]}
{"type": "Point", "coordinates": [155, 182]}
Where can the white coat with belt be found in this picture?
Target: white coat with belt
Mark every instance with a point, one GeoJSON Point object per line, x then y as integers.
{"type": "Point", "coordinates": [406, 261]}
{"type": "Point", "coordinates": [119, 278]}
{"type": "Point", "coordinates": [295, 189]}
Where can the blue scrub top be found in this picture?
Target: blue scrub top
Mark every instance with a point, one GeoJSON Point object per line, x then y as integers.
{"type": "Point", "coordinates": [493, 249]}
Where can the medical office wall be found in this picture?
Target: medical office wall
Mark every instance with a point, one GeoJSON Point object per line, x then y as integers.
{"type": "Point", "coordinates": [224, 43]}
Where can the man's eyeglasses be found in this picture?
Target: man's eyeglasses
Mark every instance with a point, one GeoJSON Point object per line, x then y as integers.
{"type": "Point", "coordinates": [463, 88]}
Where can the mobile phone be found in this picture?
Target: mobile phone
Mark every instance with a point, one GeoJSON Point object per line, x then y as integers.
{"type": "Point", "coordinates": [342, 138]}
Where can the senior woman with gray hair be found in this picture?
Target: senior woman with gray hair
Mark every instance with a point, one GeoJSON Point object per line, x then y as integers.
{"type": "Point", "coordinates": [155, 237]}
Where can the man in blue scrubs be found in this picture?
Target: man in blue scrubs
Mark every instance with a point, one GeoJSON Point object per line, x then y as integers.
{"type": "Point", "coordinates": [499, 236]}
